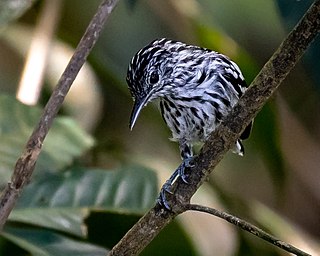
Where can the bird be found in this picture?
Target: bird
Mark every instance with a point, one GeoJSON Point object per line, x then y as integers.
{"type": "Point", "coordinates": [195, 87]}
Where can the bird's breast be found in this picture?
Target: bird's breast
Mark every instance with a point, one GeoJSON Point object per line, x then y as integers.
{"type": "Point", "coordinates": [191, 120]}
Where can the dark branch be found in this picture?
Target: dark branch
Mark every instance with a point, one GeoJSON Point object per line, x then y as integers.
{"type": "Point", "coordinates": [225, 136]}
{"type": "Point", "coordinates": [26, 163]}
{"type": "Point", "coordinates": [247, 227]}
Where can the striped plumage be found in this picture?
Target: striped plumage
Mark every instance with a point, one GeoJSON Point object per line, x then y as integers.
{"type": "Point", "coordinates": [196, 88]}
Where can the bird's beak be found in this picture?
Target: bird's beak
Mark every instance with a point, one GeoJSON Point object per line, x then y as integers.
{"type": "Point", "coordinates": [138, 105]}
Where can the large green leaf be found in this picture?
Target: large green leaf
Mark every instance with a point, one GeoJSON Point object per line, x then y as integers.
{"type": "Point", "coordinates": [68, 220]}
{"type": "Point", "coordinates": [62, 201]}
{"type": "Point", "coordinates": [40, 242]}
{"type": "Point", "coordinates": [131, 188]}
{"type": "Point", "coordinates": [65, 141]}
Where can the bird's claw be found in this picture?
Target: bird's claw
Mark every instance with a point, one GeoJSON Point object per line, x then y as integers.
{"type": "Point", "coordinates": [187, 163]}
{"type": "Point", "coordinates": [167, 187]}
{"type": "Point", "coordinates": [162, 199]}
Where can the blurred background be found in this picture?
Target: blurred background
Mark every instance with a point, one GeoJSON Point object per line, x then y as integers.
{"type": "Point", "coordinates": [95, 178]}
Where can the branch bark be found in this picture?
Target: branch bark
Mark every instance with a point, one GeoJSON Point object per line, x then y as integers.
{"type": "Point", "coordinates": [225, 136]}
{"type": "Point", "coordinates": [27, 161]}
{"type": "Point", "coordinates": [247, 227]}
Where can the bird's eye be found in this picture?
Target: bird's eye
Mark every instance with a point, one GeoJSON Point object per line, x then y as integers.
{"type": "Point", "coordinates": [154, 78]}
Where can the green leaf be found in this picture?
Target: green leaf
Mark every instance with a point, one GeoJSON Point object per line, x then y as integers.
{"type": "Point", "coordinates": [131, 188]}
{"type": "Point", "coordinates": [68, 220]}
{"type": "Point", "coordinates": [65, 141]}
{"type": "Point", "coordinates": [62, 201]}
{"type": "Point", "coordinates": [46, 243]}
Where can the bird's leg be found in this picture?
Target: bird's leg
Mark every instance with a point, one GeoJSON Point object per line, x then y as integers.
{"type": "Point", "coordinates": [187, 162]}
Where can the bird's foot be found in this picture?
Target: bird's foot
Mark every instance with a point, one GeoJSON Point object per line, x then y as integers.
{"type": "Point", "coordinates": [167, 187]}
{"type": "Point", "coordinates": [187, 163]}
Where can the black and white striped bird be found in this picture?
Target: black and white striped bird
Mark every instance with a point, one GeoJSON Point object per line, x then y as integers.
{"type": "Point", "coordinates": [196, 88]}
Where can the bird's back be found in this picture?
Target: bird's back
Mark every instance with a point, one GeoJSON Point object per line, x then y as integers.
{"type": "Point", "coordinates": [206, 86]}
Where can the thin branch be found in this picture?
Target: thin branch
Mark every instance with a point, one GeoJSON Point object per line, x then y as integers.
{"type": "Point", "coordinates": [225, 136]}
{"type": "Point", "coordinates": [247, 227]}
{"type": "Point", "coordinates": [26, 163]}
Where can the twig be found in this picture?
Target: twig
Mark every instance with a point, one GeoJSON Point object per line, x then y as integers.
{"type": "Point", "coordinates": [247, 227]}
{"type": "Point", "coordinates": [26, 163]}
{"type": "Point", "coordinates": [225, 136]}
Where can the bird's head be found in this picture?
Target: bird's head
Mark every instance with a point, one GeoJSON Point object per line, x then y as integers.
{"type": "Point", "coordinates": [149, 75]}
